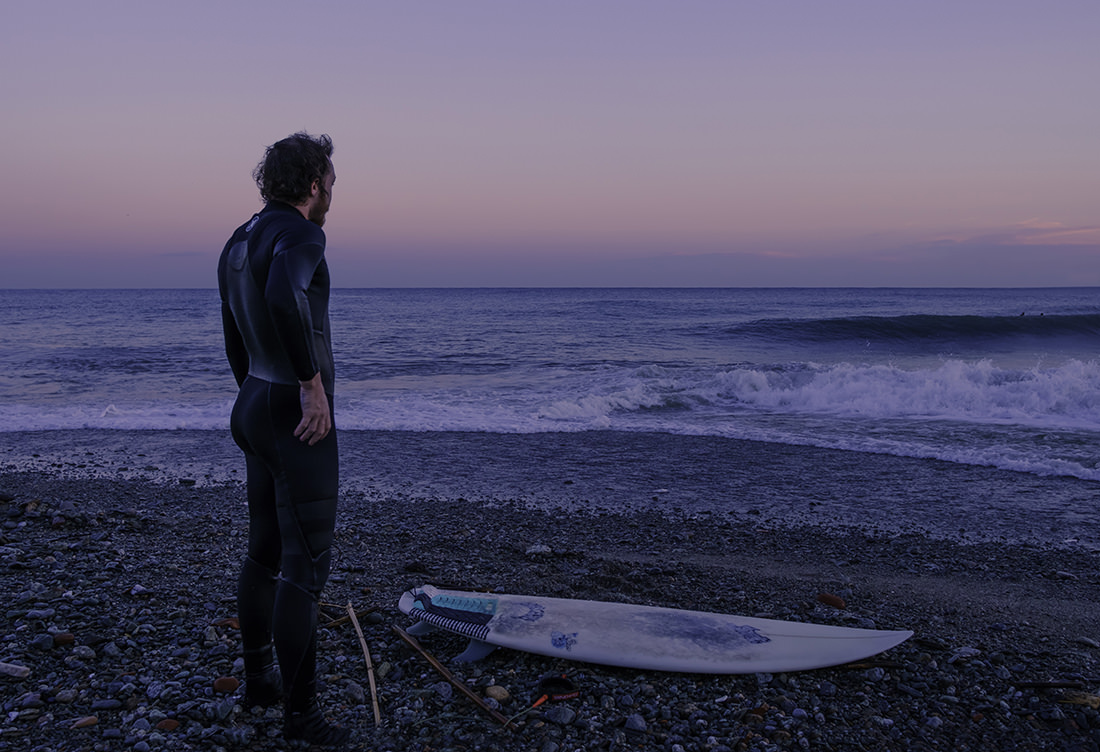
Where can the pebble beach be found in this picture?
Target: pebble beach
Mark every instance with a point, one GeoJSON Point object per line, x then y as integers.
{"type": "Point", "coordinates": [119, 627]}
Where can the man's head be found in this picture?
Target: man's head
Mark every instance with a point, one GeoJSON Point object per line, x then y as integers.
{"type": "Point", "coordinates": [298, 171]}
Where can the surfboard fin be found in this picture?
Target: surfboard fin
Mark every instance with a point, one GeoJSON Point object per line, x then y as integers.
{"type": "Point", "coordinates": [421, 628]}
{"type": "Point", "coordinates": [475, 651]}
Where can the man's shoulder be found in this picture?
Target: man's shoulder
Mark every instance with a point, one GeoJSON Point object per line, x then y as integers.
{"type": "Point", "coordinates": [292, 229]}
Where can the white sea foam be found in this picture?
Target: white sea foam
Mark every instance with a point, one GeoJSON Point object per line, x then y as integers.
{"type": "Point", "coordinates": [867, 371]}
{"type": "Point", "coordinates": [1066, 397]}
{"type": "Point", "coordinates": [130, 417]}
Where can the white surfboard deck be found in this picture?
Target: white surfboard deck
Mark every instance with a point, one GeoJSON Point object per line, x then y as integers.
{"type": "Point", "coordinates": [642, 637]}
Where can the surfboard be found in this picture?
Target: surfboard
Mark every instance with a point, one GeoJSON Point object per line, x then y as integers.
{"type": "Point", "coordinates": [642, 637]}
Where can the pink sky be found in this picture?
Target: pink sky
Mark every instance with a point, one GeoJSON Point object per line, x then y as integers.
{"type": "Point", "coordinates": [632, 142]}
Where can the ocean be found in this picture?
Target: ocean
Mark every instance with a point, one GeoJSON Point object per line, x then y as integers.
{"type": "Point", "coordinates": [1003, 379]}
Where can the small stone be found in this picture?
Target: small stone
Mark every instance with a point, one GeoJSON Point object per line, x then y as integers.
{"type": "Point", "coordinates": [498, 693]}
{"type": "Point", "coordinates": [563, 715]}
{"type": "Point", "coordinates": [964, 654]}
{"type": "Point", "coordinates": [635, 722]}
{"type": "Point", "coordinates": [42, 642]}
{"type": "Point", "coordinates": [10, 669]}
{"type": "Point", "coordinates": [226, 684]}
{"type": "Point", "coordinates": [353, 691]}
{"type": "Point", "coordinates": [109, 704]}
{"type": "Point", "coordinates": [84, 653]}
{"type": "Point", "coordinates": [224, 709]}
{"type": "Point", "coordinates": [64, 638]}
{"type": "Point", "coordinates": [539, 549]}
{"type": "Point", "coordinates": [444, 690]}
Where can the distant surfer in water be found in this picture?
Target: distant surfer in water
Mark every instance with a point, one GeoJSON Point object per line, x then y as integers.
{"type": "Point", "coordinates": [274, 286]}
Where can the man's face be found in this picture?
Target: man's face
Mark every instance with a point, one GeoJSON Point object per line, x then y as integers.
{"type": "Point", "coordinates": [323, 200]}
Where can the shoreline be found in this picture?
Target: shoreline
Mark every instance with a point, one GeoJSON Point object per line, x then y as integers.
{"type": "Point", "coordinates": [626, 472]}
{"type": "Point", "coordinates": [142, 576]}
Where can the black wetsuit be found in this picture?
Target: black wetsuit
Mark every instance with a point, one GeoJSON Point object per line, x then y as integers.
{"type": "Point", "coordinates": [274, 287]}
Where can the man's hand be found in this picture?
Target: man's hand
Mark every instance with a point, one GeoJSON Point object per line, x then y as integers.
{"type": "Point", "coordinates": [316, 419]}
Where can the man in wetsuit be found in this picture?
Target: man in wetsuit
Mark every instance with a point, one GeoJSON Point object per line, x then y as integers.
{"type": "Point", "coordinates": [274, 287]}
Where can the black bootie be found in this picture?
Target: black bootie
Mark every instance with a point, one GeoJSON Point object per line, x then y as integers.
{"type": "Point", "coordinates": [264, 688]}
{"type": "Point", "coordinates": [312, 726]}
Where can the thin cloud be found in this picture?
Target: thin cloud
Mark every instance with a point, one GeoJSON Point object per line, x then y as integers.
{"type": "Point", "coordinates": [1059, 235]}
{"type": "Point", "coordinates": [1031, 232]}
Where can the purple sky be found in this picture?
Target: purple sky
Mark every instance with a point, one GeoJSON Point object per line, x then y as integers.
{"type": "Point", "coordinates": [574, 142]}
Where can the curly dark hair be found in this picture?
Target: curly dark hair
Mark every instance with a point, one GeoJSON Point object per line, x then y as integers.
{"type": "Point", "coordinates": [290, 166]}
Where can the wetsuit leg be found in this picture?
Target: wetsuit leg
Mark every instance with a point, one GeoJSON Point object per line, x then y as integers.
{"type": "Point", "coordinates": [306, 520]}
{"type": "Point", "coordinates": [292, 511]}
{"type": "Point", "coordinates": [259, 575]}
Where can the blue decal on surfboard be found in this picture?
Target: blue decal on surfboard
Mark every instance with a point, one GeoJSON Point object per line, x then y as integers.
{"type": "Point", "coordinates": [466, 603]}
{"type": "Point", "coordinates": [751, 635]}
{"type": "Point", "coordinates": [707, 631]}
{"type": "Point", "coordinates": [563, 641]}
{"type": "Point", "coordinates": [535, 611]}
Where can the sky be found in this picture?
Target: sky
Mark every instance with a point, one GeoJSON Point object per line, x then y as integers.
{"type": "Point", "coordinates": [566, 143]}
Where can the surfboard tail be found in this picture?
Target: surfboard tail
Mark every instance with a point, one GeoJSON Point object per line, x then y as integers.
{"type": "Point", "coordinates": [462, 615]}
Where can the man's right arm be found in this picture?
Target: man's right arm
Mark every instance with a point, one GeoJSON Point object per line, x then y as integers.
{"type": "Point", "coordinates": [293, 264]}
{"type": "Point", "coordinates": [316, 419]}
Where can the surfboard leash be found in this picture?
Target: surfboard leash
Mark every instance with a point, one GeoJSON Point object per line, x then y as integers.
{"type": "Point", "coordinates": [553, 688]}
{"type": "Point", "coordinates": [556, 688]}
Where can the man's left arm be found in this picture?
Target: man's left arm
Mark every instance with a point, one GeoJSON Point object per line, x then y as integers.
{"type": "Point", "coordinates": [235, 350]}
